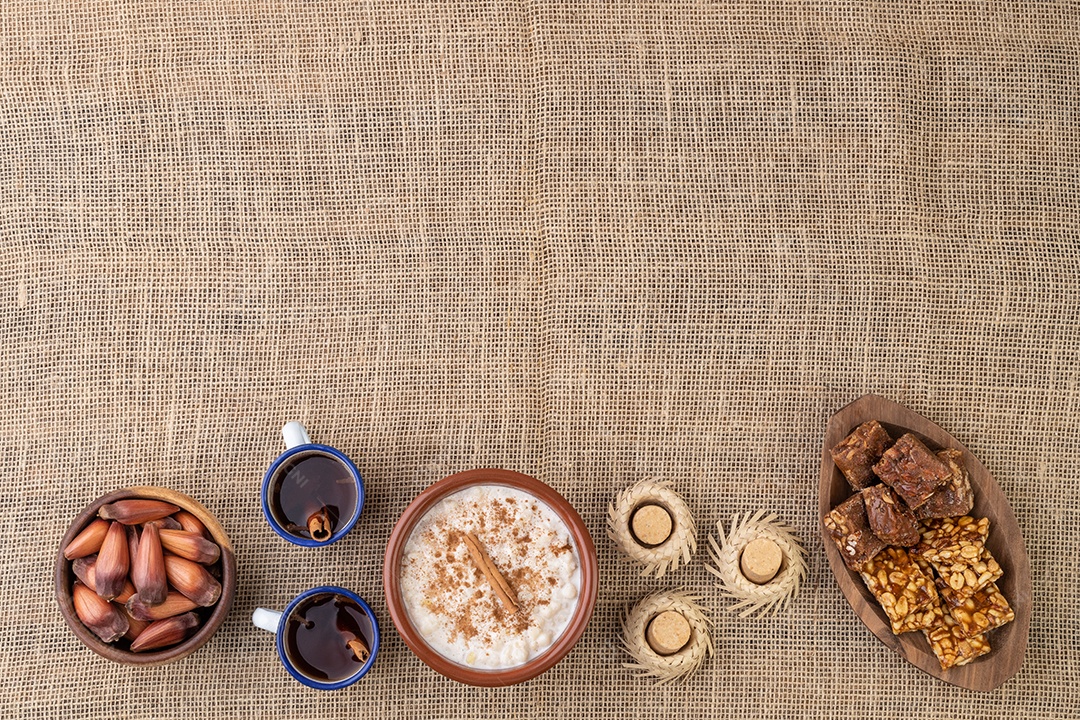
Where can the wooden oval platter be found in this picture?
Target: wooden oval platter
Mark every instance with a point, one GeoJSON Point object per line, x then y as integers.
{"type": "Point", "coordinates": [1005, 542]}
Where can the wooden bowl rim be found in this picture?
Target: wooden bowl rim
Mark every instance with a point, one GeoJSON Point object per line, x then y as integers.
{"type": "Point", "coordinates": [587, 595]}
{"type": "Point", "coordinates": [64, 578]}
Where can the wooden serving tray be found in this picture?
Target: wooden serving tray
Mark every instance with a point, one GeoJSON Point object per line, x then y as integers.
{"type": "Point", "coordinates": [1005, 542]}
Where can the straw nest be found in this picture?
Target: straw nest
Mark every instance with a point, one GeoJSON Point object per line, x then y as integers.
{"type": "Point", "coordinates": [726, 553]}
{"type": "Point", "coordinates": [680, 545]}
{"type": "Point", "coordinates": [666, 668]}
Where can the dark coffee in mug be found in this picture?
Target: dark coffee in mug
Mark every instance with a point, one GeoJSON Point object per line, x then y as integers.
{"type": "Point", "coordinates": [311, 495]}
{"type": "Point", "coordinates": [328, 637]}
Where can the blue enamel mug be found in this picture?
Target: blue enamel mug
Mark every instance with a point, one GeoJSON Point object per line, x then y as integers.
{"type": "Point", "coordinates": [327, 637]}
{"type": "Point", "coordinates": [312, 494]}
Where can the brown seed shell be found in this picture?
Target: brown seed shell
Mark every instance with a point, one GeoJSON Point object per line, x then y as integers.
{"type": "Point", "coordinates": [174, 604]}
{"type": "Point", "coordinates": [102, 617]}
{"type": "Point", "coordinates": [136, 511]}
{"type": "Point", "coordinates": [165, 523]}
{"type": "Point", "coordinates": [164, 633]}
{"type": "Point", "coordinates": [190, 546]}
{"type": "Point", "coordinates": [135, 625]}
{"type": "Point", "coordinates": [192, 580]}
{"type": "Point", "coordinates": [87, 542]}
{"type": "Point", "coordinates": [148, 570]}
{"type": "Point", "coordinates": [133, 541]}
{"type": "Point", "coordinates": [191, 524]}
{"type": "Point", "coordinates": [84, 570]}
{"type": "Point", "coordinates": [113, 563]}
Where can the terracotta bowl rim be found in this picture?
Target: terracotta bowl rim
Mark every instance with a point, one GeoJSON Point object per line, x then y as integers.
{"type": "Point", "coordinates": [64, 577]}
{"type": "Point", "coordinates": [586, 596]}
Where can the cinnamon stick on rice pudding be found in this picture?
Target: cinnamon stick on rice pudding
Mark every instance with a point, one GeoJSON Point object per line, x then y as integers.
{"type": "Point", "coordinates": [490, 577]}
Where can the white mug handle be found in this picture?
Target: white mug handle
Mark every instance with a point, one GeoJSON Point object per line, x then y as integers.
{"type": "Point", "coordinates": [267, 620]}
{"type": "Point", "coordinates": [295, 434]}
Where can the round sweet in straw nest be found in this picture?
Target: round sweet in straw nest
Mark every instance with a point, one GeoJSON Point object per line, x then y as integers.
{"type": "Point", "coordinates": [680, 664]}
{"type": "Point", "coordinates": [726, 555]}
{"type": "Point", "coordinates": [680, 544]}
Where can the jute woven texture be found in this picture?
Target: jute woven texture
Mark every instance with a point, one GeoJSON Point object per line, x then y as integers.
{"type": "Point", "coordinates": [588, 242]}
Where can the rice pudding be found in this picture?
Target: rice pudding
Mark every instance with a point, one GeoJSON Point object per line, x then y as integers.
{"type": "Point", "coordinates": [454, 601]}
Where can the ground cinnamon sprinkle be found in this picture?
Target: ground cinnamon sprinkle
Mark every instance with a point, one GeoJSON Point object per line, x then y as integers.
{"type": "Point", "coordinates": [450, 599]}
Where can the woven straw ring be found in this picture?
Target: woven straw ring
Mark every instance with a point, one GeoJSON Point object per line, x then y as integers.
{"type": "Point", "coordinates": [684, 661]}
{"type": "Point", "coordinates": [727, 554]}
{"type": "Point", "coordinates": [679, 545]}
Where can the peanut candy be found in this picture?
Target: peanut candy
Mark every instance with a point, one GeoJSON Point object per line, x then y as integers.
{"type": "Point", "coordinates": [955, 497]}
{"type": "Point", "coordinates": [848, 528]}
{"type": "Point", "coordinates": [985, 610]}
{"type": "Point", "coordinates": [951, 646]}
{"type": "Point", "coordinates": [909, 468]}
{"type": "Point", "coordinates": [952, 540]}
{"type": "Point", "coordinates": [959, 581]}
{"type": "Point", "coordinates": [890, 517]}
{"type": "Point", "coordinates": [856, 454]}
{"type": "Point", "coordinates": [899, 585]}
{"type": "Point", "coordinates": [919, 619]}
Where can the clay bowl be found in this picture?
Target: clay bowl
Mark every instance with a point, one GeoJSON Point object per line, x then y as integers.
{"type": "Point", "coordinates": [1005, 542]}
{"type": "Point", "coordinates": [212, 616]}
{"type": "Point", "coordinates": [586, 598]}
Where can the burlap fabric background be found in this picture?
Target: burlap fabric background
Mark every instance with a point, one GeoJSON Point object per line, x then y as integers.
{"type": "Point", "coordinates": [587, 242]}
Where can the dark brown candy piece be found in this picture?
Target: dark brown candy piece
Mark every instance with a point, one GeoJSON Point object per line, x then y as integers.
{"type": "Point", "coordinates": [856, 454]}
{"type": "Point", "coordinates": [909, 468]}
{"type": "Point", "coordinates": [955, 497]}
{"type": "Point", "coordinates": [850, 531]}
{"type": "Point", "coordinates": [890, 517]}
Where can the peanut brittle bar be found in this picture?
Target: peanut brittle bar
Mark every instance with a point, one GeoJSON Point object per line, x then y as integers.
{"type": "Point", "coordinates": [890, 517]}
{"type": "Point", "coordinates": [912, 470]}
{"type": "Point", "coordinates": [856, 454]}
{"type": "Point", "coordinates": [958, 581]}
{"type": "Point", "coordinates": [919, 619]}
{"type": "Point", "coordinates": [926, 567]}
{"type": "Point", "coordinates": [985, 610]}
{"type": "Point", "coordinates": [898, 584]}
{"type": "Point", "coordinates": [951, 540]}
{"type": "Point", "coordinates": [951, 646]}
{"type": "Point", "coordinates": [955, 497]}
{"type": "Point", "coordinates": [924, 617]}
{"type": "Point", "coordinates": [850, 531]}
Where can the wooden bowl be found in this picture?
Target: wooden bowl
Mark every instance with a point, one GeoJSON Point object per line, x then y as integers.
{"type": "Point", "coordinates": [1005, 542]}
{"type": "Point", "coordinates": [212, 616]}
{"type": "Point", "coordinates": [586, 598]}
